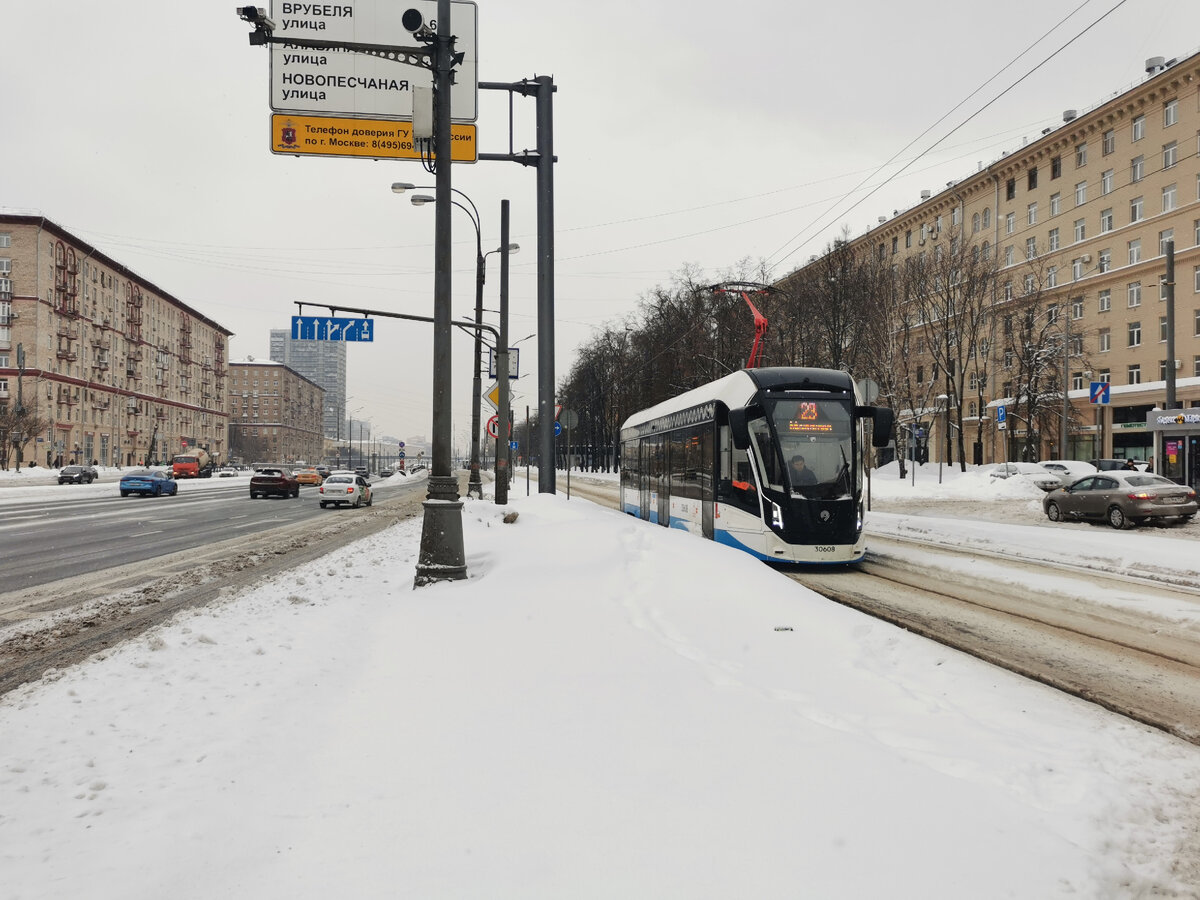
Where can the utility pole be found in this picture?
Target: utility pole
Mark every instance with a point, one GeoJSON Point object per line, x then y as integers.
{"type": "Point", "coordinates": [504, 414]}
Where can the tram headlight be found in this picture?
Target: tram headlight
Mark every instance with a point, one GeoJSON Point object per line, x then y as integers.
{"type": "Point", "coordinates": [776, 516]}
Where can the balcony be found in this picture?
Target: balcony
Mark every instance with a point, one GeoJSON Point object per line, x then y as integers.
{"type": "Point", "coordinates": [67, 330]}
{"type": "Point", "coordinates": [67, 354]}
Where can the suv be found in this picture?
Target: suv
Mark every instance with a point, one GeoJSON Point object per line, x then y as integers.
{"type": "Point", "coordinates": [268, 481]}
{"type": "Point", "coordinates": [77, 475]}
{"type": "Point", "coordinates": [362, 470]}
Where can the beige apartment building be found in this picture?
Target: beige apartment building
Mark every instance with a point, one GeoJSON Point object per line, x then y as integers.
{"type": "Point", "coordinates": [1081, 218]}
{"type": "Point", "coordinates": [111, 367]}
{"type": "Point", "coordinates": [275, 414]}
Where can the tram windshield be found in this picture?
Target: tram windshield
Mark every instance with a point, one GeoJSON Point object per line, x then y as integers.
{"type": "Point", "coordinates": [815, 455]}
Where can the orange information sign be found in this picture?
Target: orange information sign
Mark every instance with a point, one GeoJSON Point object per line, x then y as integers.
{"type": "Point", "coordinates": [365, 138]}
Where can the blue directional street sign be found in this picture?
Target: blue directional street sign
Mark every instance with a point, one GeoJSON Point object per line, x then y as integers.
{"type": "Point", "coordinates": [512, 445]}
{"type": "Point", "coordinates": [1099, 392]}
{"type": "Point", "coordinates": [557, 428]}
{"type": "Point", "coordinates": [332, 328]}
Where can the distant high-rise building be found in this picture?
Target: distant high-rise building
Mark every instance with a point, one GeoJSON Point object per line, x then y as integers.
{"type": "Point", "coordinates": [323, 362]}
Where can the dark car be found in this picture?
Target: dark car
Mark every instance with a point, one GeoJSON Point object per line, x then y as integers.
{"type": "Point", "coordinates": [77, 475]}
{"type": "Point", "coordinates": [267, 481]}
{"type": "Point", "coordinates": [148, 483]}
{"type": "Point", "coordinates": [1112, 465]}
{"type": "Point", "coordinates": [1123, 499]}
{"type": "Point", "coordinates": [362, 470]}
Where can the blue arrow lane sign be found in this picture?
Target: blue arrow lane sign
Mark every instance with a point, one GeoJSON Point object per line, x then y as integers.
{"type": "Point", "coordinates": [332, 328]}
{"type": "Point", "coordinates": [1099, 392]}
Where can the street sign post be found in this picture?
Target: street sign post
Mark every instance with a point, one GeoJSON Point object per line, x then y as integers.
{"type": "Point", "coordinates": [324, 82]}
{"type": "Point", "coordinates": [343, 136]}
{"type": "Point", "coordinates": [332, 328]}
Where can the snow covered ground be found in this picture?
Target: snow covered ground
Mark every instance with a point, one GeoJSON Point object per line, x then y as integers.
{"type": "Point", "coordinates": [603, 709]}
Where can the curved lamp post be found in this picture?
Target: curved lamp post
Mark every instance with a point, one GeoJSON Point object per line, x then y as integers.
{"type": "Point", "coordinates": [475, 483]}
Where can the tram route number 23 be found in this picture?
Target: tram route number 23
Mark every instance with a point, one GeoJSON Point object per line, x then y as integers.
{"type": "Point", "coordinates": [808, 411]}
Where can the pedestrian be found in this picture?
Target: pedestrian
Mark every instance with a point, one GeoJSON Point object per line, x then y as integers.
{"type": "Point", "coordinates": [1130, 465]}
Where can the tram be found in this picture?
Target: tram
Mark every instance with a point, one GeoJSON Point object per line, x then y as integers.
{"type": "Point", "coordinates": [771, 461]}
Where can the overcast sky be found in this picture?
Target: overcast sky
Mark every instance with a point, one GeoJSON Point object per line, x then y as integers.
{"type": "Point", "coordinates": [697, 136]}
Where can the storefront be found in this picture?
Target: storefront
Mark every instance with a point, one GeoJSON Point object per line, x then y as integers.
{"type": "Point", "coordinates": [1176, 434]}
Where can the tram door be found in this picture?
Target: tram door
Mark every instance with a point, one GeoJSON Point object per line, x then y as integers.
{"type": "Point", "coordinates": [661, 474]}
{"type": "Point", "coordinates": [644, 480]}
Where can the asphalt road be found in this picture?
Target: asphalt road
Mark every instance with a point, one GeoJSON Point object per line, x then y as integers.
{"type": "Point", "coordinates": [71, 532]}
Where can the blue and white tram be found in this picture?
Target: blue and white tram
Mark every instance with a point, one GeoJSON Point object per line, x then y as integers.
{"type": "Point", "coordinates": [720, 461]}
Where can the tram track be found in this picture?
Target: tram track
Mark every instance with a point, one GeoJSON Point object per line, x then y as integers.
{"type": "Point", "coordinates": [1085, 634]}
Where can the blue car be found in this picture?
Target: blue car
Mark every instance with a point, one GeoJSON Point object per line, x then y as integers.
{"type": "Point", "coordinates": [148, 483]}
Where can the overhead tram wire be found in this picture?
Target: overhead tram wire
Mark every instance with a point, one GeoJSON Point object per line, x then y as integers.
{"type": "Point", "coordinates": [944, 137]}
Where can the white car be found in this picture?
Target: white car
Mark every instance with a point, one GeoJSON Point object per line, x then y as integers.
{"type": "Point", "coordinates": [1030, 471]}
{"type": "Point", "coordinates": [1068, 470]}
{"type": "Point", "coordinates": [344, 488]}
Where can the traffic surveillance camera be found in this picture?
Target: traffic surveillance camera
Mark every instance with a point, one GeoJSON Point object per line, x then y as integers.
{"type": "Point", "coordinates": [414, 22]}
{"type": "Point", "coordinates": [256, 16]}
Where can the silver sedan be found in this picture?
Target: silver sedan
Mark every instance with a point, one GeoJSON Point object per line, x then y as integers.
{"type": "Point", "coordinates": [1123, 499]}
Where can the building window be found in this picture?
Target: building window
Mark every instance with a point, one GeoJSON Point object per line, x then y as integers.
{"type": "Point", "coordinates": [1009, 258]}
{"type": "Point", "coordinates": [1077, 308]}
{"type": "Point", "coordinates": [1031, 214]}
{"type": "Point", "coordinates": [1135, 374]}
{"type": "Point", "coordinates": [1196, 279]}
{"type": "Point", "coordinates": [1168, 198]}
{"type": "Point", "coordinates": [1137, 169]}
{"type": "Point", "coordinates": [5, 240]}
{"type": "Point", "coordinates": [1105, 261]}
{"type": "Point", "coordinates": [1170, 113]}
{"type": "Point", "coordinates": [987, 217]}
{"type": "Point", "coordinates": [908, 238]}
{"type": "Point", "coordinates": [1052, 277]}
{"type": "Point", "coordinates": [1135, 334]}
{"type": "Point", "coordinates": [1010, 188]}
{"type": "Point", "coordinates": [1196, 324]}
{"type": "Point", "coordinates": [1077, 268]}
{"type": "Point", "coordinates": [987, 250]}
{"type": "Point", "coordinates": [1056, 167]}
{"type": "Point", "coordinates": [1029, 284]}
{"type": "Point", "coordinates": [1081, 155]}
{"type": "Point", "coordinates": [1030, 247]}
{"type": "Point", "coordinates": [1008, 290]}
{"type": "Point", "coordinates": [1055, 204]}
{"type": "Point", "coordinates": [1106, 220]}
{"type": "Point", "coordinates": [1081, 193]}
{"type": "Point", "coordinates": [1010, 223]}
{"type": "Point", "coordinates": [1136, 206]}
{"type": "Point", "coordinates": [1134, 291]}
{"type": "Point", "coordinates": [1196, 366]}
{"type": "Point", "coordinates": [1080, 230]}
{"type": "Point", "coordinates": [1104, 376]}
{"type": "Point", "coordinates": [975, 224]}
{"type": "Point", "coordinates": [1162, 287]}
{"type": "Point", "coordinates": [1135, 252]}
{"type": "Point", "coordinates": [1139, 127]}
{"type": "Point", "coordinates": [1109, 143]}
{"type": "Point", "coordinates": [1167, 234]}
{"type": "Point", "coordinates": [1053, 239]}
{"type": "Point", "coordinates": [1106, 181]}
{"type": "Point", "coordinates": [895, 245]}
{"type": "Point", "coordinates": [1162, 329]}
{"type": "Point", "coordinates": [1170, 154]}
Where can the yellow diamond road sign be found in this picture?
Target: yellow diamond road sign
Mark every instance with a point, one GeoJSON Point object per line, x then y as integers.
{"type": "Point", "coordinates": [493, 396]}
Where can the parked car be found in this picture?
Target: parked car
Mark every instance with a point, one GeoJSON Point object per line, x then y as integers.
{"type": "Point", "coordinates": [347, 489]}
{"type": "Point", "coordinates": [77, 475]}
{"type": "Point", "coordinates": [148, 483]}
{"type": "Point", "coordinates": [267, 481]}
{"type": "Point", "coordinates": [1123, 499]}
{"type": "Point", "coordinates": [309, 476]}
{"type": "Point", "coordinates": [1028, 471]}
{"type": "Point", "coordinates": [1068, 470]}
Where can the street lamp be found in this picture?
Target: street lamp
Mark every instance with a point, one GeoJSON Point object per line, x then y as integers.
{"type": "Point", "coordinates": [474, 483]}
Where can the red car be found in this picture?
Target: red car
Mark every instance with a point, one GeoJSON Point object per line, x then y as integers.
{"type": "Point", "coordinates": [265, 482]}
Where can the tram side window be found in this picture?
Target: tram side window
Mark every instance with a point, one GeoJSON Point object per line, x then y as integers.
{"type": "Point", "coordinates": [629, 465]}
{"type": "Point", "coordinates": [735, 481]}
{"type": "Point", "coordinates": [689, 462]}
{"type": "Point", "coordinates": [760, 434]}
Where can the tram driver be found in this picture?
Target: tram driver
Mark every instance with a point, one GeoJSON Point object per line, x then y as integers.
{"type": "Point", "coordinates": [802, 475]}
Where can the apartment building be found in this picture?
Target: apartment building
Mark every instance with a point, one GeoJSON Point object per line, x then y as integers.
{"type": "Point", "coordinates": [1081, 219]}
{"type": "Point", "coordinates": [275, 413]}
{"type": "Point", "coordinates": [323, 362]}
{"type": "Point", "coordinates": [107, 365]}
